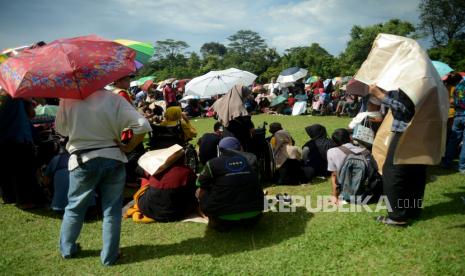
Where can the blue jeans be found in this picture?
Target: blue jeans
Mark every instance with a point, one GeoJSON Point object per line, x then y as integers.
{"type": "Point", "coordinates": [457, 134]}
{"type": "Point", "coordinates": [109, 176]}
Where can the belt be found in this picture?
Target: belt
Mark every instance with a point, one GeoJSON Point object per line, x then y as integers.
{"type": "Point", "coordinates": [78, 153]}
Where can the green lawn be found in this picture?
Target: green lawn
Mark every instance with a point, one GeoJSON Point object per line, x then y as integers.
{"type": "Point", "coordinates": [282, 243]}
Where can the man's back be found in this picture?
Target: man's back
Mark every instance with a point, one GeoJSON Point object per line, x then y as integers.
{"type": "Point", "coordinates": [95, 121]}
{"type": "Point", "coordinates": [208, 147]}
{"type": "Point", "coordinates": [232, 185]}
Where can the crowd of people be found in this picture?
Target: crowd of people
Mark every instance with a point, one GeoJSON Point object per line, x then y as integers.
{"type": "Point", "coordinates": [88, 152]}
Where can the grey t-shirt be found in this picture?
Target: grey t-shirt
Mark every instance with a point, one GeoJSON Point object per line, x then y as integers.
{"type": "Point", "coordinates": [336, 156]}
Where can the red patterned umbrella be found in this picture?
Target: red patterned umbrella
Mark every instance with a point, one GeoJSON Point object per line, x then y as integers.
{"type": "Point", "coordinates": [66, 68]}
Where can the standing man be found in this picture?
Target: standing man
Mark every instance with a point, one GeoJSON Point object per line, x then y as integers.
{"type": "Point", "coordinates": [457, 133]}
{"type": "Point", "coordinates": [403, 184]}
{"type": "Point", "coordinates": [170, 95]}
{"type": "Point", "coordinates": [94, 127]}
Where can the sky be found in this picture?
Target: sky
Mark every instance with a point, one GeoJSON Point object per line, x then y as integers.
{"type": "Point", "coordinates": [283, 24]}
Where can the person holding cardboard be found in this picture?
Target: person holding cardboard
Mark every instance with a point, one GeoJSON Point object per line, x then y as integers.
{"type": "Point", "coordinates": [413, 133]}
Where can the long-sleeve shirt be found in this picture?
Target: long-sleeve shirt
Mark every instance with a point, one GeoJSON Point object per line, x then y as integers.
{"type": "Point", "coordinates": [96, 122]}
{"type": "Point", "coordinates": [402, 110]}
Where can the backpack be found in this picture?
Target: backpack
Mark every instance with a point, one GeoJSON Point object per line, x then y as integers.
{"type": "Point", "coordinates": [359, 176]}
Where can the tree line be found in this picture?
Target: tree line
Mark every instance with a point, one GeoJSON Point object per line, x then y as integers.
{"type": "Point", "coordinates": [441, 20]}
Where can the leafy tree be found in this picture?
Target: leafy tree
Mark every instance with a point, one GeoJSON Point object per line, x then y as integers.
{"type": "Point", "coordinates": [443, 19]}
{"type": "Point", "coordinates": [246, 42]}
{"type": "Point", "coordinates": [194, 61]}
{"type": "Point", "coordinates": [452, 54]}
{"type": "Point", "coordinates": [169, 48]}
{"type": "Point", "coordinates": [213, 48]}
{"type": "Point", "coordinates": [361, 40]}
{"type": "Point", "coordinates": [314, 58]}
{"type": "Point", "coordinates": [271, 56]}
{"type": "Point", "coordinates": [211, 63]}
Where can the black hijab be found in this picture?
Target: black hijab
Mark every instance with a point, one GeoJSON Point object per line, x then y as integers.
{"type": "Point", "coordinates": [318, 135]}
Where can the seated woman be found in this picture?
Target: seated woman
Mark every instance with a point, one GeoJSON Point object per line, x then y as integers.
{"type": "Point", "coordinates": [193, 108]}
{"type": "Point", "coordinates": [235, 118]}
{"type": "Point", "coordinates": [168, 195]}
{"type": "Point", "coordinates": [314, 152]}
{"type": "Point", "coordinates": [287, 158]}
{"type": "Point", "coordinates": [229, 189]}
{"type": "Point", "coordinates": [174, 116]}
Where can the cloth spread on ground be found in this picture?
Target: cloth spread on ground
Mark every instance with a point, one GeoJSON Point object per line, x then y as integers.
{"type": "Point", "coordinates": [134, 212]}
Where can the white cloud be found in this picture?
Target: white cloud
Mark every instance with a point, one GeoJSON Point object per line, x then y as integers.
{"type": "Point", "coordinates": [283, 24]}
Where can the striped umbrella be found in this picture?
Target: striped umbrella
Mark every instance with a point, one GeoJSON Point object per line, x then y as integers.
{"type": "Point", "coordinates": [144, 51]}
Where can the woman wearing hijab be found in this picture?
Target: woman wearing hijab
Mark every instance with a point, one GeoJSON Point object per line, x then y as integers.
{"type": "Point", "coordinates": [234, 116]}
{"type": "Point", "coordinates": [174, 116]}
{"type": "Point", "coordinates": [315, 150]}
{"type": "Point", "coordinates": [287, 158]}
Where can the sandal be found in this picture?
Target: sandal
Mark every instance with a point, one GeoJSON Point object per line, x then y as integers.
{"type": "Point", "coordinates": [387, 221]}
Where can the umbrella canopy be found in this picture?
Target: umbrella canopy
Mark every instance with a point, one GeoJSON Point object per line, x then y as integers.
{"type": "Point", "coordinates": [312, 79]}
{"type": "Point", "coordinates": [144, 51]}
{"type": "Point", "coordinates": [185, 99]}
{"type": "Point", "coordinates": [138, 64]}
{"type": "Point", "coordinates": [66, 68]}
{"type": "Point", "coordinates": [442, 68]}
{"type": "Point", "coordinates": [11, 52]}
{"type": "Point", "coordinates": [146, 86]}
{"type": "Point", "coordinates": [3, 58]}
{"type": "Point", "coordinates": [278, 100]}
{"type": "Point", "coordinates": [218, 82]}
{"type": "Point", "coordinates": [291, 74]}
{"type": "Point", "coordinates": [142, 80]}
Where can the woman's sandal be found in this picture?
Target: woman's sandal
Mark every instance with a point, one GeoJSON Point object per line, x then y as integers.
{"type": "Point", "coordinates": [387, 221]}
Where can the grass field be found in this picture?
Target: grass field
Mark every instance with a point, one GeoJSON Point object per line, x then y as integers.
{"type": "Point", "coordinates": [282, 243]}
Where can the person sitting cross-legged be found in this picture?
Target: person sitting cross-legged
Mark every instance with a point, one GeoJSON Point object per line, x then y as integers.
{"type": "Point", "coordinates": [336, 157]}
{"type": "Point", "coordinates": [229, 190]}
{"type": "Point", "coordinates": [314, 152]}
{"type": "Point", "coordinates": [208, 143]}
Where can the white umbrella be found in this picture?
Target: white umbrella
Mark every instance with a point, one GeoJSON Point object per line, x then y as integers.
{"type": "Point", "coordinates": [189, 97]}
{"type": "Point", "coordinates": [218, 82]}
{"type": "Point", "coordinates": [291, 75]}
